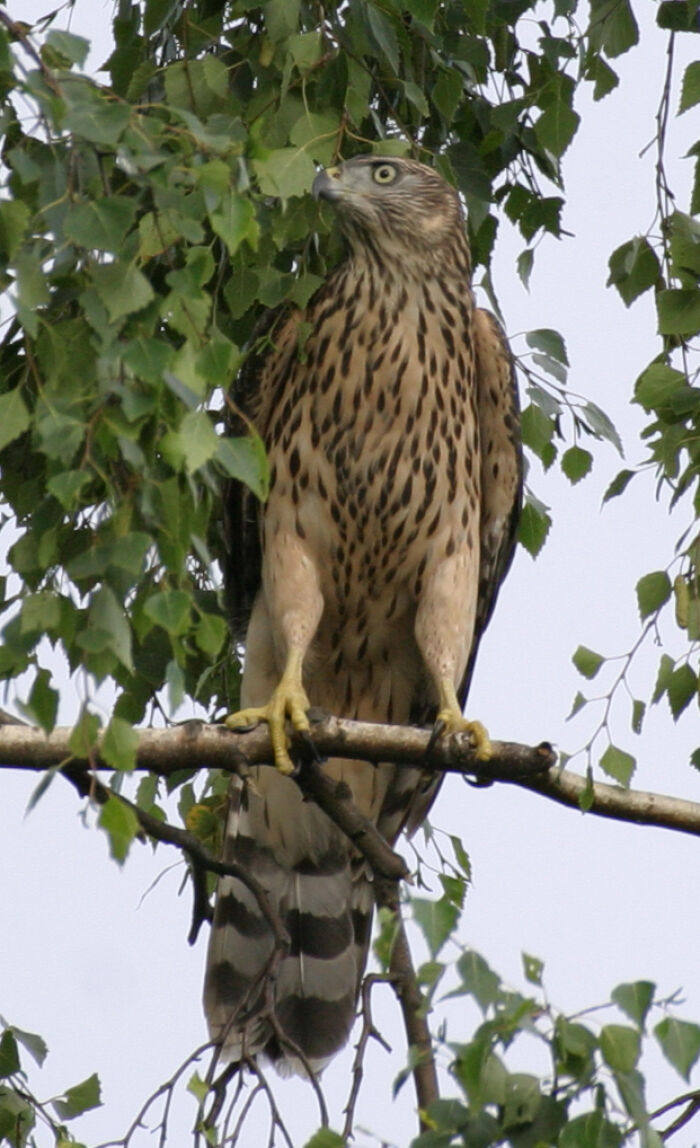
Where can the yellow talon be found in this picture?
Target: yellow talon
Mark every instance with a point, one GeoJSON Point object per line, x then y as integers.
{"type": "Point", "coordinates": [289, 700]}
{"type": "Point", "coordinates": [452, 720]}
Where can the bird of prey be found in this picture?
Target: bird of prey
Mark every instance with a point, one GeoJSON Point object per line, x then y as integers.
{"type": "Point", "coordinates": [389, 411]}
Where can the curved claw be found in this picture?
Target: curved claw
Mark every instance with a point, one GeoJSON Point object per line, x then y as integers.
{"type": "Point", "coordinates": [289, 700]}
{"type": "Point", "coordinates": [451, 721]}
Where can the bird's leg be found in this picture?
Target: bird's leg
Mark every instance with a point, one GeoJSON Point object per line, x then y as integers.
{"type": "Point", "coordinates": [450, 719]}
{"type": "Point", "coordinates": [286, 615]}
{"type": "Point", "coordinates": [289, 700]}
{"type": "Point", "coordinates": [444, 631]}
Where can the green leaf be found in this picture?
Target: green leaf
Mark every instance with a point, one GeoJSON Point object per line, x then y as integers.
{"type": "Point", "coordinates": [533, 968]}
{"type": "Point", "coordinates": [286, 172]}
{"type": "Point", "coordinates": [631, 1088]}
{"type": "Point", "coordinates": [122, 288]}
{"type": "Point", "coordinates": [84, 735]}
{"type": "Point", "coordinates": [234, 220]}
{"type": "Point", "coordinates": [436, 920]}
{"type": "Point", "coordinates": [634, 268]}
{"type": "Point", "coordinates": [447, 92]}
{"type": "Point", "coordinates": [108, 627]}
{"type": "Point", "coordinates": [602, 76]}
{"type": "Point", "coordinates": [169, 609]}
{"type": "Point", "coordinates": [121, 826]}
{"type": "Point", "coordinates": [211, 633]}
{"type": "Point", "coordinates": [638, 712]}
{"type": "Point", "coordinates": [575, 1045]}
{"type": "Point", "coordinates": [679, 311]}
{"type": "Point", "coordinates": [14, 221]}
{"type": "Point", "coordinates": [618, 484]}
{"type": "Point", "coordinates": [556, 127]}
{"type": "Point", "coordinates": [98, 120]}
{"type": "Point", "coordinates": [681, 689]}
{"type": "Point", "coordinates": [33, 1043]}
{"type": "Point", "coordinates": [14, 416]}
{"type": "Point", "coordinates": [587, 662]}
{"type": "Point", "coordinates": [461, 856]}
{"type": "Point", "coordinates": [43, 701]}
{"type": "Point", "coordinates": [680, 1043]}
{"type": "Point", "coordinates": [592, 1130]}
{"type": "Point", "coordinates": [620, 1046]}
{"type": "Point", "coordinates": [613, 26]}
{"type": "Point", "coordinates": [524, 263]}
{"type": "Point", "coordinates": [550, 342]}
{"type": "Point", "coordinates": [198, 439]}
{"type": "Point", "coordinates": [119, 744]}
{"type": "Point", "coordinates": [635, 999]}
{"type": "Point", "coordinates": [326, 1138]}
{"type": "Point", "coordinates": [537, 430]}
{"type": "Point", "coordinates": [656, 385]}
{"type": "Point", "coordinates": [383, 34]}
{"type": "Point", "coordinates": [576, 463]}
{"type": "Point", "coordinates": [533, 526]}
{"type": "Point", "coordinates": [522, 1100]}
{"type": "Point", "coordinates": [66, 487]}
{"type": "Point", "coordinates": [618, 764]}
{"type": "Point", "coordinates": [79, 1099]}
{"type": "Point", "coordinates": [478, 979]}
{"type": "Point", "coordinates": [9, 1056]}
{"type": "Point", "coordinates": [245, 459]}
{"type": "Point", "coordinates": [677, 16]}
{"type": "Point", "coordinates": [198, 1087]}
{"type": "Point", "coordinates": [578, 703]}
{"type": "Point", "coordinates": [601, 425]}
{"type": "Point", "coordinates": [74, 48]}
{"type": "Point", "coordinates": [102, 223]}
{"type": "Point", "coordinates": [690, 89]}
{"type": "Point", "coordinates": [666, 668]}
{"type": "Point", "coordinates": [653, 591]}
{"type": "Point", "coordinates": [317, 134]}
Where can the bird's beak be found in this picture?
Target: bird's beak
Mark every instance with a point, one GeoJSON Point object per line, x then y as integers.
{"type": "Point", "coordinates": [326, 184]}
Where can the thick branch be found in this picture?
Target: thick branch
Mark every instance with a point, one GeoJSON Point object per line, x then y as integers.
{"type": "Point", "coordinates": [195, 745]}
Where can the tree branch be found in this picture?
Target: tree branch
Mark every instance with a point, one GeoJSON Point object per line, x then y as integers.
{"type": "Point", "coordinates": [196, 745]}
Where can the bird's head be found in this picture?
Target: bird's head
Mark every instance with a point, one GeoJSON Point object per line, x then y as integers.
{"type": "Point", "coordinates": [394, 206]}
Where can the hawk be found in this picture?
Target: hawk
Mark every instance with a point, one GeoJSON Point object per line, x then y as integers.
{"type": "Point", "coordinates": [389, 411]}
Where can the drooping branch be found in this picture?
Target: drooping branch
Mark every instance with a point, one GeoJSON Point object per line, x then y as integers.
{"type": "Point", "coordinates": [196, 745]}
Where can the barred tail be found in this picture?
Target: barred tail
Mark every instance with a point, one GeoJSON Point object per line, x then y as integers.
{"type": "Point", "coordinates": [324, 902]}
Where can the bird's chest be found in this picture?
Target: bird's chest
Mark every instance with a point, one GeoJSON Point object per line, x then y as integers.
{"type": "Point", "coordinates": [379, 454]}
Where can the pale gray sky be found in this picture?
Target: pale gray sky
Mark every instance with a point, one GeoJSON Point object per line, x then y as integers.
{"type": "Point", "coordinates": [110, 981]}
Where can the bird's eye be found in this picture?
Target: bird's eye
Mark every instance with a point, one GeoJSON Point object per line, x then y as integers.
{"type": "Point", "coordinates": [384, 173]}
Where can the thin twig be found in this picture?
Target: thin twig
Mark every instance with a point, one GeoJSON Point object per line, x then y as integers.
{"type": "Point", "coordinates": [368, 1032]}
{"type": "Point", "coordinates": [405, 984]}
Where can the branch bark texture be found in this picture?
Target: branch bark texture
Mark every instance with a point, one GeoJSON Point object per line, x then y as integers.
{"type": "Point", "coordinates": [196, 745]}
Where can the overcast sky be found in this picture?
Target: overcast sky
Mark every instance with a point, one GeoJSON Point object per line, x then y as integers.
{"type": "Point", "coordinates": [105, 973]}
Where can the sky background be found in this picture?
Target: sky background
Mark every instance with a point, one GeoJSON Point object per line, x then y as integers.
{"type": "Point", "coordinates": [95, 958]}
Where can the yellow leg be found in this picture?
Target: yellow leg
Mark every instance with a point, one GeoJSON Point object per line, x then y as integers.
{"type": "Point", "coordinates": [289, 700]}
{"type": "Point", "coordinates": [452, 720]}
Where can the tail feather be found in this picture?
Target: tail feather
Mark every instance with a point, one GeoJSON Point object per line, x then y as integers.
{"type": "Point", "coordinates": [324, 901]}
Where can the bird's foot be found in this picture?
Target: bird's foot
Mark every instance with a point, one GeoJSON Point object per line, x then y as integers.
{"type": "Point", "coordinates": [450, 721]}
{"type": "Point", "coordinates": [289, 700]}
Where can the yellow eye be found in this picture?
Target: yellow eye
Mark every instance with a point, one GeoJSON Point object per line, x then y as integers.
{"type": "Point", "coordinates": [384, 173]}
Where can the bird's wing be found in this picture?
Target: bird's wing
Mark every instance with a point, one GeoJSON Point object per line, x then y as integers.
{"type": "Point", "coordinates": [501, 469]}
{"type": "Point", "coordinates": [252, 399]}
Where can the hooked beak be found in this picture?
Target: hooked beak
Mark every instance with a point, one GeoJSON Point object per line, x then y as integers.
{"type": "Point", "coordinates": [325, 185]}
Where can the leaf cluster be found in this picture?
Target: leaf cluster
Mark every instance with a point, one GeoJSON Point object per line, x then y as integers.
{"type": "Point", "coordinates": [144, 225]}
{"type": "Point", "coordinates": [594, 1090]}
{"type": "Point", "coordinates": [21, 1114]}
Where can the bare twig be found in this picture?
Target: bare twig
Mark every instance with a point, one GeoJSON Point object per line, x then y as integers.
{"type": "Point", "coordinates": [691, 1100]}
{"type": "Point", "coordinates": [368, 1032]}
{"type": "Point", "coordinates": [405, 984]}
